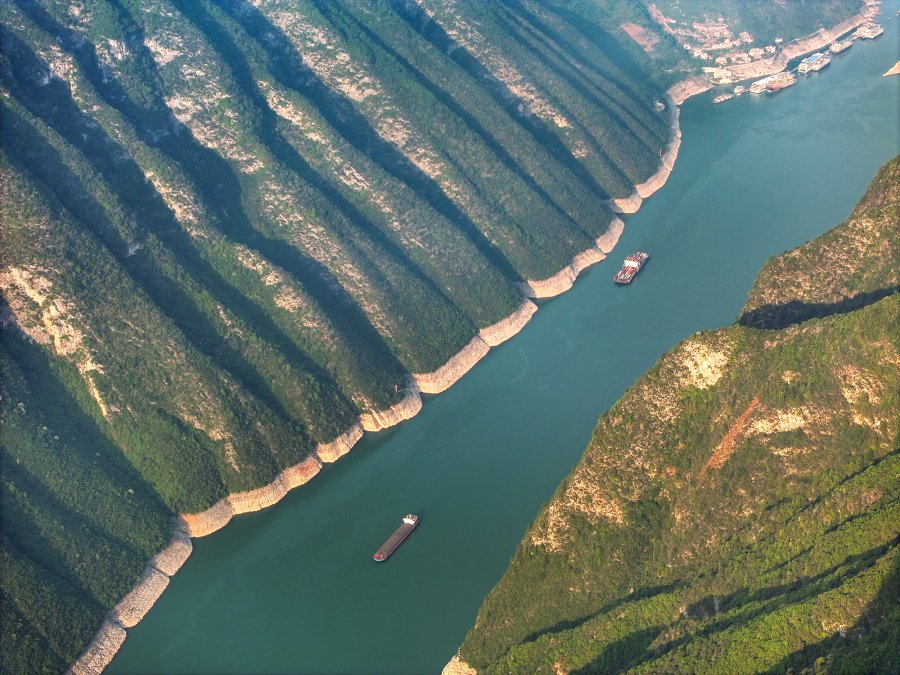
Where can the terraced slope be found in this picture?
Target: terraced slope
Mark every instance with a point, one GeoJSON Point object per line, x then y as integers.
{"type": "Point", "coordinates": [235, 235]}
{"type": "Point", "coordinates": [736, 511]}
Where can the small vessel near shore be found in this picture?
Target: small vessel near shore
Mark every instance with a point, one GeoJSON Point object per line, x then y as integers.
{"type": "Point", "coordinates": [781, 81]}
{"type": "Point", "coordinates": [869, 31]}
{"type": "Point", "coordinates": [759, 86]}
{"type": "Point", "coordinates": [838, 47]}
{"type": "Point", "coordinates": [631, 267]}
{"type": "Point", "coordinates": [814, 62]}
{"type": "Point", "coordinates": [407, 525]}
{"type": "Point", "coordinates": [721, 98]}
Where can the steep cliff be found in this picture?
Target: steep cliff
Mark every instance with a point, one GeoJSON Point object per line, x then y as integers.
{"type": "Point", "coordinates": [236, 235]}
{"type": "Point", "coordinates": [736, 510]}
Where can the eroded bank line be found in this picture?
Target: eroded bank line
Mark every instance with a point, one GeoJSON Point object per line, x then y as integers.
{"type": "Point", "coordinates": [135, 605]}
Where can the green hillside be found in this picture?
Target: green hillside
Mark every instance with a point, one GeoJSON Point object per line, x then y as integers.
{"type": "Point", "coordinates": [228, 229]}
{"type": "Point", "coordinates": [737, 509]}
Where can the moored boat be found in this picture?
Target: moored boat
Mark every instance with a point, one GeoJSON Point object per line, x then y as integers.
{"type": "Point", "coordinates": [721, 98]}
{"type": "Point", "coordinates": [814, 62]}
{"type": "Point", "coordinates": [838, 47]}
{"type": "Point", "coordinates": [740, 89]}
{"type": "Point", "coordinates": [759, 86]}
{"type": "Point", "coordinates": [781, 81]}
{"type": "Point", "coordinates": [869, 31]}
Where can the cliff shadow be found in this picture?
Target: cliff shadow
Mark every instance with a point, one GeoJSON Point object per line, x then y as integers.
{"type": "Point", "coordinates": [775, 316]}
{"type": "Point", "coordinates": [640, 594]}
{"type": "Point", "coordinates": [584, 71]}
{"type": "Point", "coordinates": [870, 645]}
{"type": "Point", "coordinates": [618, 655]}
{"type": "Point", "coordinates": [53, 104]}
{"type": "Point", "coordinates": [432, 32]}
{"type": "Point", "coordinates": [290, 70]}
{"type": "Point", "coordinates": [447, 100]}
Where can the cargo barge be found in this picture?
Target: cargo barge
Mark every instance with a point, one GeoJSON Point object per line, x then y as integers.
{"type": "Point", "coordinates": [814, 62]}
{"type": "Point", "coordinates": [780, 81]}
{"type": "Point", "coordinates": [407, 525]}
{"type": "Point", "coordinates": [838, 47]}
{"type": "Point", "coordinates": [631, 267]}
{"type": "Point", "coordinates": [869, 31]}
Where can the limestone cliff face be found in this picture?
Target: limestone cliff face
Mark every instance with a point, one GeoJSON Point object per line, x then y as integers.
{"type": "Point", "coordinates": [377, 420]}
{"type": "Point", "coordinates": [682, 91]}
{"type": "Point", "coordinates": [643, 190]}
{"type": "Point", "coordinates": [340, 446]}
{"type": "Point", "coordinates": [607, 241]}
{"type": "Point", "coordinates": [134, 606]}
{"type": "Point", "coordinates": [441, 379]}
{"type": "Point", "coordinates": [565, 278]}
{"type": "Point", "coordinates": [100, 651]}
{"type": "Point", "coordinates": [504, 329]}
{"type": "Point", "coordinates": [218, 515]}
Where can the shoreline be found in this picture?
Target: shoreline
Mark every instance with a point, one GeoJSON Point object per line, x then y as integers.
{"type": "Point", "coordinates": [677, 94]}
{"type": "Point", "coordinates": [697, 84]}
{"type": "Point", "coordinates": [156, 575]}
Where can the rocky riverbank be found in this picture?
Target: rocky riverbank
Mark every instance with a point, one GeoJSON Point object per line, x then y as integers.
{"type": "Point", "coordinates": [565, 278]}
{"type": "Point", "coordinates": [643, 190]}
{"type": "Point", "coordinates": [134, 606]}
{"type": "Point", "coordinates": [697, 84]}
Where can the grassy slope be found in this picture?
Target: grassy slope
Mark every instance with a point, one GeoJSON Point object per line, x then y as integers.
{"type": "Point", "coordinates": [736, 510]}
{"type": "Point", "coordinates": [230, 229]}
{"type": "Point", "coordinates": [221, 251]}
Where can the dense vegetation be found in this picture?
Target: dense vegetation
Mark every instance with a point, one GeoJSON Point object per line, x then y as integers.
{"type": "Point", "coordinates": [226, 230]}
{"type": "Point", "coordinates": [765, 21]}
{"type": "Point", "coordinates": [737, 509]}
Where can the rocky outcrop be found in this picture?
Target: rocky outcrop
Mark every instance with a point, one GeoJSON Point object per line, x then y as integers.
{"type": "Point", "coordinates": [457, 666]}
{"type": "Point", "coordinates": [504, 329]}
{"type": "Point", "coordinates": [458, 365]}
{"type": "Point", "coordinates": [682, 91]}
{"type": "Point", "coordinates": [643, 190]}
{"type": "Point", "coordinates": [172, 557]}
{"type": "Point", "coordinates": [100, 651]}
{"type": "Point", "coordinates": [218, 515]}
{"type": "Point", "coordinates": [565, 278]}
{"type": "Point", "coordinates": [134, 606]}
{"type": "Point", "coordinates": [340, 446]}
{"type": "Point", "coordinates": [607, 241]}
{"type": "Point", "coordinates": [376, 420]}
{"type": "Point", "coordinates": [140, 599]}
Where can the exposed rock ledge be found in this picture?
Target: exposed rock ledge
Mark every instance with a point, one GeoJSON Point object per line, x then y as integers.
{"type": "Point", "coordinates": [563, 280]}
{"type": "Point", "coordinates": [377, 420]}
{"type": "Point", "coordinates": [218, 515]}
{"type": "Point", "coordinates": [457, 666]}
{"type": "Point", "coordinates": [504, 329]}
{"type": "Point", "coordinates": [132, 608]}
{"type": "Point", "coordinates": [458, 365]}
{"type": "Point", "coordinates": [643, 190]}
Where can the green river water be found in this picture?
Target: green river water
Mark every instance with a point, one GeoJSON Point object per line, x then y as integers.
{"type": "Point", "coordinates": [294, 588]}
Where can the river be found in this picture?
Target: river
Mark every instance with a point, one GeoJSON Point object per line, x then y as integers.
{"type": "Point", "coordinates": [294, 588]}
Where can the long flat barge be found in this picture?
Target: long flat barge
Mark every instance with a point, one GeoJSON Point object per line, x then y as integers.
{"type": "Point", "coordinates": [407, 525]}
